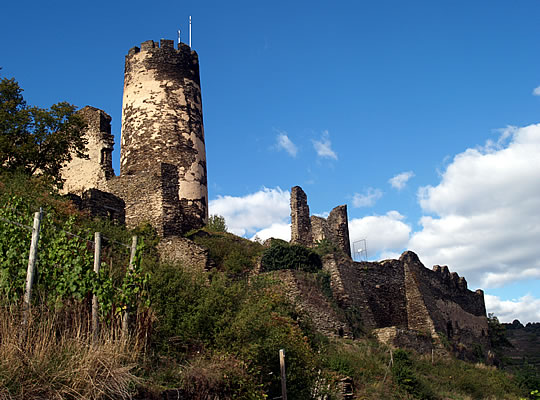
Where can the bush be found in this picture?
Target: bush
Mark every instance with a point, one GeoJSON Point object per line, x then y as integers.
{"type": "Point", "coordinates": [216, 223]}
{"type": "Point", "coordinates": [285, 256]}
{"type": "Point", "coordinates": [229, 253]}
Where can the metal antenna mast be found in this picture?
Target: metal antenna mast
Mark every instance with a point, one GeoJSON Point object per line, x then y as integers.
{"type": "Point", "coordinates": [190, 31]}
{"type": "Point", "coordinates": [179, 41]}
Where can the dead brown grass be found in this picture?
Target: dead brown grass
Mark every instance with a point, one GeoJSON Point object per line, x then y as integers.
{"type": "Point", "coordinates": [54, 356]}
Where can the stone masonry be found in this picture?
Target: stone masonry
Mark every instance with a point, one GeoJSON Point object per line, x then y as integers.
{"type": "Point", "coordinates": [406, 295]}
{"type": "Point", "coordinates": [308, 231]}
{"type": "Point", "coordinates": [163, 160]}
{"type": "Point", "coordinates": [300, 222]}
{"type": "Point", "coordinates": [93, 172]}
{"type": "Point", "coordinates": [415, 302]}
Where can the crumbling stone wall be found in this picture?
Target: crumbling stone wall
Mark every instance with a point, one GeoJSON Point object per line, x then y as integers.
{"type": "Point", "coordinates": [101, 204]}
{"type": "Point", "coordinates": [308, 231]}
{"type": "Point", "coordinates": [300, 222]}
{"type": "Point", "coordinates": [403, 293]}
{"type": "Point", "coordinates": [454, 311]}
{"type": "Point", "coordinates": [82, 174]}
{"type": "Point", "coordinates": [305, 294]}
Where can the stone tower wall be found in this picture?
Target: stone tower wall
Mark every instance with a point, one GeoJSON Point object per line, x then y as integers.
{"type": "Point", "coordinates": [300, 222]}
{"type": "Point", "coordinates": [162, 122]}
{"type": "Point", "coordinates": [92, 173]}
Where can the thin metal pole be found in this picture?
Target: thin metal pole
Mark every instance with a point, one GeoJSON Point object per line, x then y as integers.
{"type": "Point", "coordinates": [283, 374]}
{"type": "Point", "coordinates": [97, 263]}
{"type": "Point", "coordinates": [190, 31]}
{"type": "Point", "coordinates": [31, 270]}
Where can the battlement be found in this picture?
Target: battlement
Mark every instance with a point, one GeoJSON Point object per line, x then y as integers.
{"type": "Point", "coordinates": [164, 45]}
{"type": "Point", "coordinates": [451, 278]}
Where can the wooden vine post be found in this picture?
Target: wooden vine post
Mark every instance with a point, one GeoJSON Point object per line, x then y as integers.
{"type": "Point", "coordinates": [125, 317]}
{"type": "Point", "coordinates": [32, 259]}
{"type": "Point", "coordinates": [283, 374]}
{"type": "Point", "coordinates": [97, 263]}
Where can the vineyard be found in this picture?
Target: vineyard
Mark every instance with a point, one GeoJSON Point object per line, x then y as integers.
{"type": "Point", "coordinates": [65, 262]}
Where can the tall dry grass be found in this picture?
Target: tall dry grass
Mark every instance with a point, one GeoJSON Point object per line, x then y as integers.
{"type": "Point", "coordinates": [54, 356]}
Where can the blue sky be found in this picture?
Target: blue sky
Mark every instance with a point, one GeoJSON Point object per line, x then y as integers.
{"type": "Point", "coordinates": [338, 98]}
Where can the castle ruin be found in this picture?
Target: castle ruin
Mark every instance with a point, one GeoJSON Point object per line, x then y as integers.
{"type": "Point", "coordinates": [163, 160]}
{"type": "Point", "coordinates": [404, 303]}
{"type": "Point", "coordinates": [308, 231]}
{"type": "Point", "coordinates": [163, 182]}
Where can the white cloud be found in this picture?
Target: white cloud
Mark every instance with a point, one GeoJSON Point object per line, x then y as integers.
{"type": "Point", "coordinates": [278, 230]}
{"type": "Point", "coordinates": [323, 147]}
{"type": "Point", "coordinates": [485, 222]}
{"type": "Point", "coordinates": [536, 91]}
{"type": "Point", "coordinates": [525, 309]}
{"type": "Point", "coordinates": [283, 142]}
{"type": "Point", "coordinates": [367, 199]}
{"type": "Point", "coordinates": [384, 234]}
{"type": "Point", "coordinates": [248, 214]}
{"type": "Point", "coordinates": [400, 180]}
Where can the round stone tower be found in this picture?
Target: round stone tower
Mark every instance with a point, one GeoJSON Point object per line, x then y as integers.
{"type": "Point", "coordinates": [162, 124]}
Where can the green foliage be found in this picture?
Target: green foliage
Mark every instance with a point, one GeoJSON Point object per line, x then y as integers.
{"type": "Point", "coordinates": [64, 269]}
{"type": "Point", "coordinates": [229, 253]}
{"type": "Point", "coordinates": [36, 140]}
{"type": "Point", "coordinates": [251, 321]}
{"type": "Point", "coordinates": [216, 223]}
{"type": "Point", "coordinates": [284, 256]}
{"type": "Point", "coordinates": [325, 247]}
{"type": "Point", "coordinates": [404, 376]}
{"type": "Point", "coordinates": [496, 331]}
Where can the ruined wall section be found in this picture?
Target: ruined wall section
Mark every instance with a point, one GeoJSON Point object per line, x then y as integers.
{"type": "Point", "coordinates": [307, 231]}
{"type": "Point", "coordinates": [349, 290]}
{"type": "Point", "coordinates": [300, 221]}
{"type": "Point", "coordinates": [81, 174]}
{"type": "Point", "coordinates": [304, 292]}
{"type": "Point", "coordinates": [152, 197]}
{"type": "Point", "coordinates": [338, 228]}
{"type": "Point", "coordinates": [454, 310]}
{"type": "Point", "coordinates": [162, 123]}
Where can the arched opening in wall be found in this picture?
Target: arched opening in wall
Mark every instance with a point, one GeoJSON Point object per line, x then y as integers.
{"type": "Point", "coordinates": [449, 329]}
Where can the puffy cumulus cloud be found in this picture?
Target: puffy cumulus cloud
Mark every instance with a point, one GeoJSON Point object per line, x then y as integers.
{"type": "Point", "coordinates": [323, 147]}
{"type": "Point", "coordinates": [536, 91]}
{"type": "Point", "coordinates": [385, 234]}
{"type": "Point", "coordinates": [400, 180]}
{"type": "Point", "coordinates": [525, 309]}
{"type": "Point", "coordinates": [368, 198]}
{"type": "Point", "coordinates": [248, 214]}
{"type": "Point", "coordinates": [485, 222]}
{"type": "Point", "coordinates": [284, 143]}
{"type": "Point", "coordinates": [278, 230]}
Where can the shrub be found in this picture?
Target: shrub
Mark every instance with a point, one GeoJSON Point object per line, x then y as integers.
{"type": "Point", "coordinates": [285, 256]}
{"type": "Point", "coordinates": [216, 223]}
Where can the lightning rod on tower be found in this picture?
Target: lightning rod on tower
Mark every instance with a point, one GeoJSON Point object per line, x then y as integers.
{"type": "Point", "coordinates": [190, 31]}
{"type": "Point", "coordinates": [179, 41]}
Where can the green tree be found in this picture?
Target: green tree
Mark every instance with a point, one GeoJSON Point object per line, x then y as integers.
{"type": "Point", "coordinates": [34, 140]}
{"type": "Point", "coordinates": [216, 223]}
